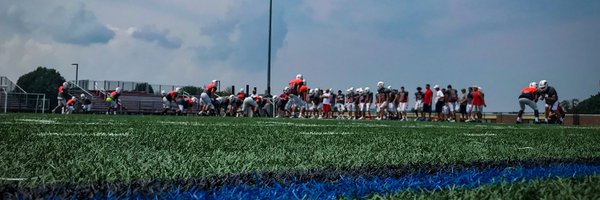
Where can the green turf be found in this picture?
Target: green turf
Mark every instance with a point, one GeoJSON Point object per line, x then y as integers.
{"type": "Point", "coordinates": [86, 148]}
{"type": "Point", "coordinates": [579, 188]}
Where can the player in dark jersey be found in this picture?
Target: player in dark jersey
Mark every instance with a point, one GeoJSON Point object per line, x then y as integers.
{"type": "Point", "coordinates": [369, 102]}
{"type": "Point", "coordinates": [452, 99]}
{"type": "Point", "coordinates": [552, 107]}
{"type": "Point", "coordinates": [418, 103]}
{"type": "Point", "coordinates": [382, 100]}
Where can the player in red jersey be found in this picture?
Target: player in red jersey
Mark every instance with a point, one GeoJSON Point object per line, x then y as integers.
{"type": "Point", "coordinates": [71, 105]}
{"type": "Point", "coordinates": [207, 98]}
{"type": "Point", "coordinates": [169, 99]}
{"type": "Point", "coordinates": [478, 103]}
{"type": "Point", "coordinates": [428, 95]}
{"type": "Point", "coordinates": [62, 98]}
{"type": "Point", "coordinates": [529, 96]}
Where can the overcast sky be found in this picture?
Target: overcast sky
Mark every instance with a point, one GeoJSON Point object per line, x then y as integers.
{"type": "Point", "coordinates": [499, 45]}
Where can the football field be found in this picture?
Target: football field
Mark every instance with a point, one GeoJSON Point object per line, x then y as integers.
{"type": "Point", "coordinates": [98, 156]}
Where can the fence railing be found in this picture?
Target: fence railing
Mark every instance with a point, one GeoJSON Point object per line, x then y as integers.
{"type": "Point", "coordinates": [24, 102]}
{"type": "Point", "coordinates": [128, 86]}
{"type": "Point", "coordinates": [10, 86]}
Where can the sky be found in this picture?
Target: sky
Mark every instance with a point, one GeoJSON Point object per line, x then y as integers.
{"type": "Point", "coordinates": [499, 45]}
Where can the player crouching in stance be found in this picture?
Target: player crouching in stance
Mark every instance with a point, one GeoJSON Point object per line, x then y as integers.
{"type": "Point", "coordinates": [296, 102]}
{"type": "Point", "coordinates": [187, 106]}
{"type": "Point", "coordinates": [86, 104]}
{"type": "Point", "coordinates": [249, 106]}
{"type": "Point", "coordinates": [169, 99]}
{"type": "Point", "coordinates": [280, 101]}
{"type": "Point", "coordinates": [113, 101]}
{"type": "Point", "coordinates": [553, 111]}
{"type": "Point", "coordinates": [71, 105]}
{"type": "Point", "coordinates": [529, 96]}
{"type": "Point", "coordinates": [206, 98]}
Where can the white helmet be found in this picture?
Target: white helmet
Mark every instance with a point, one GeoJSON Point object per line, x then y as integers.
{"type": "Point", "coordinates": [367, 89]}
{"type": "Point", "coordinates": [380, 84]}
{"type": "Point", "coordinates": [543, 84]}
{"type": "Point", "coordinates": [299, 77]}
{"type": "Point", "coordinates": [74, 98]}
{"type": "Point", "coordinates": [242, 90]}
{"type": "Point", "coordinates": [231, 97]}
{"type": "Point", "coordinates": [214, 81]}
{"type": "Point", "coordinates": [533, 85]}
{"type": "Point", "coordinates": [316, 90]}
{"type": "Point", "coordinates": [310, 91]}
{"type": "Point", "coordinates": [65, 84]}
{"type": "Point", "coordinates": [359, 90]}
{"type": "Point", "coordinates": [82, 96]}
{"type": "Point", "coordinates": [163, 92]}
{"type": "Point", "coordinates": [349, 90]}
{"type": "Point", "coordinates": [194, 99]}
{"type": "Point", "coordinates": [118, 89]}
{"type": "Point", "coordinates": [436, 87]}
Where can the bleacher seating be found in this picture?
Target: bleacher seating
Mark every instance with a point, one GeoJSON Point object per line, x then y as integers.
{"type": "Point", "coordinates": [133, 102]}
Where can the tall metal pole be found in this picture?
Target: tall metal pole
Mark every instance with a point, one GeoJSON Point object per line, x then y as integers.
{"type": "Point", "coordinates": [76, 73]}
{"type": "Point", "coordinates": [269, 57]}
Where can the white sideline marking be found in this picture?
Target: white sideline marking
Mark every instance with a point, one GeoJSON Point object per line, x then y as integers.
{"type": "Point", "coordinates": [39, 121]}
{"type": "Point", "coordinates": [100, 134]}
{"type": "Point", "coordinates": [479, 134]}
{"type": "Point", "coordinates": [521, 148]}
{"type": "Point", "coordinates": [13, 179]}
{"type": "Point", "coordinates": [325, 133]}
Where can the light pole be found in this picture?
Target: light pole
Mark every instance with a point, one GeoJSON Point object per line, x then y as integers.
{"type": "Point", "coordinates": [76, 73]}
{"type": "Point", "coordinates": [269, 56]}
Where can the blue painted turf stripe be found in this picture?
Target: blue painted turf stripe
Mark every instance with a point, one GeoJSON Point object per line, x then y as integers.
{"type": "Point", "coordinates": [362, 187]}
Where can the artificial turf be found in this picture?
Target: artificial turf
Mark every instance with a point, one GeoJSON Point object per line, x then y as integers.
{"type": "Point", "coordinates": [38, 150]}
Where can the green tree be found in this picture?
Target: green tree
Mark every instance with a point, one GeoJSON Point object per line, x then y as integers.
{"type": "Point", "coordinates": [192, 90]}
{"type": "Point", "coordinates": [588, 106]}
{"type": "Point", "coordinates": [144, 87]}
{"type": "Point", "coordinates": [42, 80]}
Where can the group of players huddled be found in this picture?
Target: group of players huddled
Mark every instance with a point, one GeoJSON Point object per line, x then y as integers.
{"type": "Point", "coordinates": [297, 100]}
{"type": "Point", "coordinates": [211, 104]}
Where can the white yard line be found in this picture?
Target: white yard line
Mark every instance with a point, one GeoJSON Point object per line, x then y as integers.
{"type": "Point", "coordinates": [521, 148]}
{"type": "Point", "coordinates": [99, 134]}
{"type": "Point", "coordinates": [13, 179]}
{"type": "Point", "coordinates": [325, 133]}
{"type": "Point", "coordinates": [479, 134]}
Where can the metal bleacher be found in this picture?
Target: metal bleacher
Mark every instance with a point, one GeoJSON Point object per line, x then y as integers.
{"type": "Point", "coordinates": [14, 99]}
{"type": "Point", "coordinates": [132, 103]}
